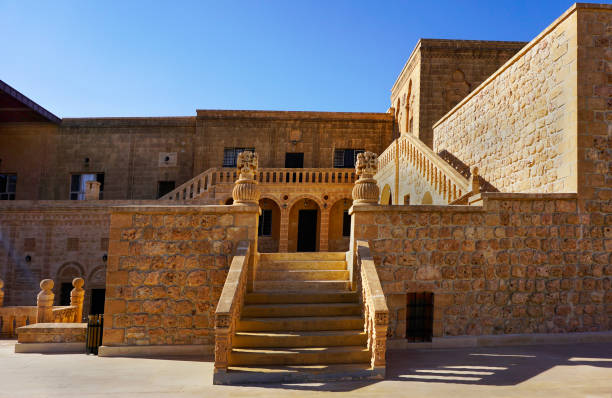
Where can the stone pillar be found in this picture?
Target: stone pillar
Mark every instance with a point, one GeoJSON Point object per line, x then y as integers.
{"type": "Point", "coordinates": [246, 191]}
{"type": "Point", "coordinates": [76, 298]}
{"type": "Point", "coordinates": [44, 302]}
{"type": "Point", "coordinates": [283, 239]}
{"type": "Point", "coordinates": [1, 292]}
{"type": "Point", "coordinates": [324, 230]}
{"type": "Point", "coordinates": [474, 181]}
{"type": "Point", "coordinates": [365, 191]}
{"type": "Point", "coordinates": [92, 190]}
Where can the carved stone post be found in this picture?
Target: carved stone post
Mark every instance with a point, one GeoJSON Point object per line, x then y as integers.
{"type": "Point", "coordinates": [222, 341]}
{"type": "Point", "coordinates": [1, 292]}
{"type": "Point", "coordinates": [246, 191]}
{"type": "Point", "coordinates": [474, 181]}
{"type": "Point", "coordinates": [76, 298]}
{"type": "Point", "coordinates": [365, 190]}
{"type": "Point", "coordinates": [44, 302]}
{"type": "Point", "coordinates": [92, 190]}
{"type": "Point", "coordinates": [381, 323]}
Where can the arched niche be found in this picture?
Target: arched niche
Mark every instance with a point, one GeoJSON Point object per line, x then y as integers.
{"type": "Point", "coordinates": [427, 199]}
{"type": "Point", "coordinates": [269, 226]}
{"type": "Point", "coordinates": [385, 195]}
{"type": "Point", "coordinates": [339, 231]}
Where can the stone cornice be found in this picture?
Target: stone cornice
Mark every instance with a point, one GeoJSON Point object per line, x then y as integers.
{"type": "Point", "coordinates": [113, 122]}
{"type": "Point", "coordinates": [204, 114]}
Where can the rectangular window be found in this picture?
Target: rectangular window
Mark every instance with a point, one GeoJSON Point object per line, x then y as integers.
{"type": "Point", "coordinates": [78, 183]}
{"type": "Point", "coordinates": [346, 224]}
{"type": "Point", "coordinates": [346, 158]}
{"type": "Point", "coordinates": [230, 155]}
{"type": "Point", "coordinates": [265, 223]}
{"type": "Point", "coordinates": [294, 160]}
{"type": "Point", "coordinates": [164, 187]}
{"type": "Point", "coordinates": [8, 186]}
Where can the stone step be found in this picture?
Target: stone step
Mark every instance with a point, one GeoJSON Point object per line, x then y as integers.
{"type": "Point", "coordinates": [299, 356]}
{"type": "Point", "coordinates": [301, 297]}
{"type": "Point", "coordinates": [302, 275]}
{"type": "Point", "coordinates": [288, 265]}
{"type": "Point", "coordinates": [308, 323]}
{"type": "Point", "coordinates": [299, 339]}
{"type": "Point", "coordinates": [302, 256]}
{"type": "Point", "coordinates": [298, 374]}
{"type": "Point", "coordinates": [302, 309]}
{"type": "Point", "coordinates": [300, 286]}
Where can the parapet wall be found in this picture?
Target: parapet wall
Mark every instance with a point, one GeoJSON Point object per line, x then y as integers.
{"type": "Point", "coordinates": [520, 125]}
{"type": "Point", "coordinates": [166, 269]}
{"type": "Point", "coordinates": [521, 263]}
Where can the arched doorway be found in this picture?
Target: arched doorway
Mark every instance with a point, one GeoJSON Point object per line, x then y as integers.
{"type": "Point", "coordinates": [340, 225]}
{"type": "Point", "coordinates": [427, 199]}
{"type": "Point", "coordinates": [63, 281]}
{"type": "Point", "coordinates": [304, 225]}
{"type": "Point", "coordinates": [94, 304]}
{"type": "Point", "coordinates": [385, 195]}
{"type": "Point", "coordinates": [269, 226]}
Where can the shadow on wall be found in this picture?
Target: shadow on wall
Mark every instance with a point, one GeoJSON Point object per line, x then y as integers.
{"type": "Point", "coordinates": [464, 170]}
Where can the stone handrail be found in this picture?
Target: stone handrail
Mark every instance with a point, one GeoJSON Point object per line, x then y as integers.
{"type": "Point", "coordinates": [375, 308]}
{"type": "Point", "coordinates": [447, 181]}
{"type": "Point", "coordinates": [203, 182]}
{"type": "Point", "coordinates": [64, 314]}
{"type": "Point", "coordinates": [230, 305]}
{"type": "Point", "coordinates": [13, 317]}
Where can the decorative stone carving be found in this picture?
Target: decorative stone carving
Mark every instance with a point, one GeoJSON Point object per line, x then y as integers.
{"type": "Point", "coordinates": [44, 302]}
{"type": "Point", "coordinates": [1, 292]}
{"type": "Point", "coordinates": [474, 181]}
{"type": "Point", "coordinates": [246, 191]}
{"type": "Point", "coordinates": [365, 190]}
{"type": "Point", "coordinates": [76, 298]}
{"type": "Point", "coordinates": [92, 190]}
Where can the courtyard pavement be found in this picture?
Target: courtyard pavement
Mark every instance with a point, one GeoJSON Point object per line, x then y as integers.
{"type": "Point", "coordinates": [583, 370]}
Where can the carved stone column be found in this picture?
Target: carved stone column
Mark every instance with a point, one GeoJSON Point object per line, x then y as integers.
{"type": "Point", "coordinates": [44, 302]}
{"type": "Point", "coordinates": [76, 298]}
{"type": "Point", "coordinates": [365, 190]}
{"type": "Point", "coordinates": [92, 190]}
{"type": "Point", "coordinates": [246, 191]}
{"type": "Point", "coordinates": [1, 292]}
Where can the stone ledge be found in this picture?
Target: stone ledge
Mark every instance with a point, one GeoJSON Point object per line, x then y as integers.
{"type": "Point", "coordinates": [193, 209]}
{"type": "Point", "coordinates": [45, 348]}
{"type": "Point", "coordinates": [503, 340]}
{"type": "Point", "coordinates": [52, 333]}
{"type": "Point", "coordinates": [146, 351]}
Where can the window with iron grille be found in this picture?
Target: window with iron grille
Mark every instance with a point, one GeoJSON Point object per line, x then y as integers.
{"type": "Point", "coordinates": [346, 223]}
{"type": "Point", "coordinates": [346, 158]}
{"type": "Point", "coordinates": [78, 184]}
{"type": "Point", "coordinates": [265, 223]}
{"type": "Point", "coordinates": [8, 186]}
{"type": "Point", "coordinates": [230, 155]}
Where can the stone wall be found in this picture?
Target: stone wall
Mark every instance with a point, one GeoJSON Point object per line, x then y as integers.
{"type": "Point", "coordinates": [519, 126]}
{"type": "Point", "coordinates": [166, 269]}
{"type": "Point", "coordinates": [522, 263]}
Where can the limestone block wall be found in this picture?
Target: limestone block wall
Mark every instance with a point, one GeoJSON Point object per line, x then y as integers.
{"type": "Point", "coordinates": [166, 269]}
{"type": "Point", "coordinates": [521, 263]}
{"type": "Point", "coordinates": [519, 126]}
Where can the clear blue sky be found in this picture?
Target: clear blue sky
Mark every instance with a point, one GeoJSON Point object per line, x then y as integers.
{"type": "Point", "coordinates": [168, 58]}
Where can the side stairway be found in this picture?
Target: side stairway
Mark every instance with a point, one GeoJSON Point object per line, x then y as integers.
{"type": "Point", "coordinates": [301, 323]}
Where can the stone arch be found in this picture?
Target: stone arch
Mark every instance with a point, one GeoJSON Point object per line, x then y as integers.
{"type": "Point", "coordinates": [269, 243]}
{"type": "Point", "coordinates": [63, 281]}
{"type": "Point", "coordinates": [97, 277]}
{"type": "Point", "coordinates": [337, 242]}
{"type": "Point", "coordinates": [385, 195]}
{"type": "Point", "coordinates": [427, 199]}
{"type": "Point", "coordinates": [313, 203]}
{"type": "Point", "coordinates": [95, 288]}
{"type": "Point", "coordinates": [316, 199]}
{"type": "Point", "coordinates": [457, 88]}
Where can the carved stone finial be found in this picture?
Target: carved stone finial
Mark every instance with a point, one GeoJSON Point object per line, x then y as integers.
{"type": "Point", "coordinates": [245, 189]}
{"type": "Point", "coordinates": [474, 181]}
{"type": "Point", "coordinates": [77, 295]}
{"type": "Point", "coordinates": [92, 190]}
{"type": "Point", "coordinates": [44, 302]}
{"type": "Point", "coordinates": [365, 190]}
{"type": "Point", "coordinates": [1, 292]}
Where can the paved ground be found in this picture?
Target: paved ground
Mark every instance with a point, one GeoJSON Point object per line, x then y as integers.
{"type": "Point", "coordinates": [555, 370]}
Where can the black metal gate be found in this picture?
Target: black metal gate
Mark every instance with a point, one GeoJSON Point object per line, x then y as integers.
{"type": "Point", "coordinates": [95, 324]}
{"type": "Point", "coordinates": [419, 316]}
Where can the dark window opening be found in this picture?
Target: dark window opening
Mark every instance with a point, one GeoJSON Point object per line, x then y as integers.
{"type": "Point", "coordinates": [406, 199]}
{"type": "Point", "coordinates": [230, 155]}
{"type": "Point", "coordinates": [164, 187]}
{"type": "Point", "coordinates": [419, 316]}
{"type": "Point", "coordinates": [265, 223]}
{"type": "Point", "coordinates": [346, 158]}
{"type": "Point", "coordinates": [78, 184]}
{"type": "Point", "coordinates": [97, 301]}
{"type": "Point", "coordinates": [294, 160]}
{"type": "Point", "coordinates": [346, 224]}
{"type": "Point", "coordinates": [8, 186]}
{"type": "Point", "coordinates": [65, 290]}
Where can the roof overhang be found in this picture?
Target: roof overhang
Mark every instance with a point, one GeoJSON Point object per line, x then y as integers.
{"type": "Point", "coordinates": [16, 107]}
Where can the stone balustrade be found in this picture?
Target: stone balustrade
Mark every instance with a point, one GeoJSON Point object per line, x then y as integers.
{"type": "Point", "coordinates": [230, 305]}
{"type": "Point", "coordinates": [205, 181]}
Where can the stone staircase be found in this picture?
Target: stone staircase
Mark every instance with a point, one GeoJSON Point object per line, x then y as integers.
{"type": "Point", "coordinates": [300, 323]}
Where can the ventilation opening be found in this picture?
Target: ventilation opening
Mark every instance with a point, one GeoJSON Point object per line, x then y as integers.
{"type": "Point", "coordinates": [419, 316]}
